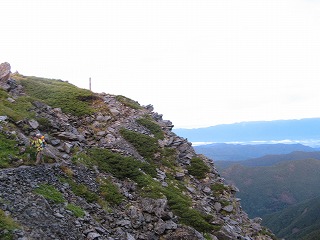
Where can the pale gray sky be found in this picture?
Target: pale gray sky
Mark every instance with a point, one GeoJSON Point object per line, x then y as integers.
{"type": "Point", "coordinates": [199, 62]}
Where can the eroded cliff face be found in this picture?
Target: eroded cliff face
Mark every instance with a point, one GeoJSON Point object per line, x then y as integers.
{"type": "Point", "coordinates": [119, 173]}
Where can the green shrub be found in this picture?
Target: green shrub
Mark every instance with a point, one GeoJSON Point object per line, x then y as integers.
{"type": "Point", "coordinates": [145, 145]}
{"type": "Point", "coordinates": [110, 192]}
{"type": "Point", "coordinates": [128, 102]}
{"type": "Point", "coordinates": [77, 211]}
{"type": "Point", "coordinates": [181, 206]}
{"type": "Point", "coordinates": [120, 166]}
{"type": "Point", "coordinates": [169, 157]}
{"type": "Point", "coordinates": [198, 168]}
{"type": "Point", "coordinates": [149, 187]}
{"type": "Point", "coordinates": [50, 192]}
{"type": "Point", "coordinates": [219, 188]}
{"type": "Point", "coordinates": [154, 128]}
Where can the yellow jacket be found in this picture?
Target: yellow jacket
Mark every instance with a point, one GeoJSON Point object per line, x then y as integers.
{"type": "Point", "coordinates": [38, 144]}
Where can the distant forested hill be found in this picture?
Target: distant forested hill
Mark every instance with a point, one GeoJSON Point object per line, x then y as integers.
{"type": "Point", "coordinates": [308, 128]}
{"type": "Point", "coordinates": [269, 160]}
{"type": "Point", "coordinates": [265, 190]}
{"type": "Point", "coordinates": [300, 221]}
{"type": "Point", "coordinates": [238, 152]}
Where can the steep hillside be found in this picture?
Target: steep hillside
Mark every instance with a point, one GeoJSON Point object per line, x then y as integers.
{"type": "Point", "coordinates": [269, 189]}
{"type": "Point", "coordinates": [301, 221]}
{"type": "Point", "coordinates": [239, 152]}
{"type": "Point", "coordinates": [113, 170]}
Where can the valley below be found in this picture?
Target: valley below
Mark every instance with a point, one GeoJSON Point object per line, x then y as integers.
{"type": "Point", "coordinates": [275, 165]}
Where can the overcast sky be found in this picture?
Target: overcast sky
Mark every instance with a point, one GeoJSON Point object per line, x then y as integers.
{"type": "Point", "coordinates": [198, 62]}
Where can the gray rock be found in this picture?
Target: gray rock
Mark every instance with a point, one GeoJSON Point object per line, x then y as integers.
{"type": "Point", "coordinates": [11, 100]}
{"type": "Point", "coordinates": [114, 111]}
{"type": "Point", "coordinates": [5, 70]}
{"type": "Point", "coordinates": [179, 176]}
{"type": "Point", "coordinates": [3, 118]}
{"type": "Point", "coordinates": [93, 235]}
{"type": "Point", "coordinates": [67, 136]}
{"type": "Point", "coordinates": [33, 123]}
{"type": "Point", "coordinates": [55, 141]}
{"type": "Point", "coordinates": [207, 190]}
{"type": "Point", "coordinates": [217, 206]}
{"type": "Point", "coordinates": [67, 147]}
{"type": "Point", "coordinates": [228, 208]}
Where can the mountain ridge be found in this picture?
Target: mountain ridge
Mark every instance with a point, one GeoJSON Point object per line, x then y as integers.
{"type": "Point", "coordinates": [114, 170]}
{"type": "Point", "coordinates": [239, 152]}
{"type": "Point", "coordinates": [296, 129]}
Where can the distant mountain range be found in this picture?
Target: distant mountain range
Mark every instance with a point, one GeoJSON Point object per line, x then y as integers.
{"type": "Point", "coordinates": [303, 129]}
{"type": "Point", "coordinates": [239, 152]}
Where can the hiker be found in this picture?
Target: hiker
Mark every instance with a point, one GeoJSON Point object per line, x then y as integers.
{"type": "Point", "coordinates": [39, 144]}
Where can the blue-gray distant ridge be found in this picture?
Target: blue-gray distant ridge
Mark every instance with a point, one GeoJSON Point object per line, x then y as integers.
{"type": "Point", "coordinates": [308, 128]}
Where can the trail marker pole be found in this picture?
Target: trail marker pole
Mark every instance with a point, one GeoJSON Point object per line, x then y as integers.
{"type": "Point", "coordinates": [90, 83]}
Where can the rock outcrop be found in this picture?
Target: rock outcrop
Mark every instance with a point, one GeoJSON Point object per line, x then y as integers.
{"type": "Point", "coordinates": [5, 71]}
{"type": "Point", "coordinates": [138, 215]}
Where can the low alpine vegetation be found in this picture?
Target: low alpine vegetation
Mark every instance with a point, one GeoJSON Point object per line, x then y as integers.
{"type": "Point", "coordinates": [76, 210]}
{"type": "Point", "coordinates": [128, 102]}
{"type": "Point", "coordinates": [154, 128]}
{"type": "Point", "coordinates": [219, 188]}
{"type": "Point", "coordinates": [7, 149]}
{"type": "Point", "coordinates": [145, 145]}
{"type": "Point", "coordinates": [110, 192]}
{"type": "Point", "coordinates": [50, 192]}
{"type": "Point", "coordinates": [57, 93]}
{"type": "Point", "coordinates": [7, 225]}
{"type": "Point", "coordinates": [198, 168]}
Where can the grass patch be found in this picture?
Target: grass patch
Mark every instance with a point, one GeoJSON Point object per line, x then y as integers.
{"type": "Point", "coordinates": [77, 211]}
{"type": "Point", "coordinates": [50, 192]}
{"type": "Point", "coordinates": [57, 93]}
{"type": "Point", "coordinates": [128, 102]}
{"type": "Point", "coordinates": [7, 225]}
{"type": "Point", "coordinates": [154, 128]}
{"type": "Point", "coordinates": [68, 171]}
{"type": "Point", "coordinates": [145, 145]}
{"type": "Point", "coordinates": [110, 192]}
{"type": "Point", "coordinates": [81, 190]}
{"type": "Point", "coordinates": [198, 168]}
{"type": "Point", "coordinates": [7, 149]}
{"type": "Point", "coordinates": [17, 110]}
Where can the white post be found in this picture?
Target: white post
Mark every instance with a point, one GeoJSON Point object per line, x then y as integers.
{"type": "Point", "coordinates": [90, 83]}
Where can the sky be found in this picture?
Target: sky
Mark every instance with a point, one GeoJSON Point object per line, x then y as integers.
{"type": "Point", "coordinates": [200, 63]}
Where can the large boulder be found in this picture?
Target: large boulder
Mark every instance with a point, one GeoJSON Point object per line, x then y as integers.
{"type": "Point", "coordinates": [5, 71]}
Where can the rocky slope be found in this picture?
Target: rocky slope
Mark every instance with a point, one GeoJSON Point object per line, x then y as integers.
{"type": "Point", "coordinates": [116, 173]}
